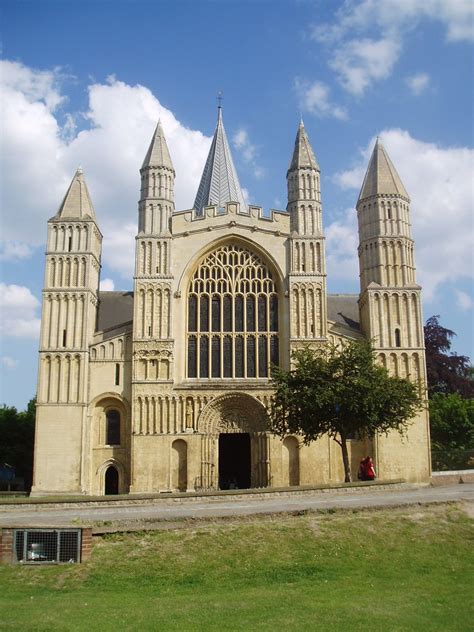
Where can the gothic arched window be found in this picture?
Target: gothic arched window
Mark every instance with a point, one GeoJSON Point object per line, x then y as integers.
{"type": "Point", "coordinates": [232, 326]}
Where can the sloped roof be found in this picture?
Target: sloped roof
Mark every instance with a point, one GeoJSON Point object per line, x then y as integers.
{"type": "Point", "coordinates": [344, 309]}
{"type": "Point", "coordinates": [115, 309]}
{"type": "Point", "coordinates": [219, 182]}
{"type": "Point", "coordinates": [77, 203]}
{"type": "Point", "coordinates": [381, 176]}
{"type": "Point", "coordinates": [158, 154]}
{"type": "Point", "coordinates": [303, 154]}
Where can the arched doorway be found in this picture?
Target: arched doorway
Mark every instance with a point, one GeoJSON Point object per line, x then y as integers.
{"type": "Point", "coordinates": [179, 465]}
{"type": "Point", "coordinates": [235, 446]}
{"type": "Point", "coordinates": [111, 481]}
{"type": "Point", "coordinates": [291, 461]}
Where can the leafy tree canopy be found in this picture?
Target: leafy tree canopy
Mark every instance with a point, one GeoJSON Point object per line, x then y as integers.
{"type": "Point", "coordinates": [446, 372]}
{"type": "Point", "coordinates": [17, 433]}
{"type": "Point", "coordinates": [342, 393]}
{"type": "Point", "coordinates": [452, 422]}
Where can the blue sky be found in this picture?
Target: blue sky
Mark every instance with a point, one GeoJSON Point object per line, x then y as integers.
{"type": "Point", "coordinates": [84, 83]}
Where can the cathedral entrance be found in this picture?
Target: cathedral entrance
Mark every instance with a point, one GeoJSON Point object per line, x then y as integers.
{"type": "Point", "coordinates": [234, 460]}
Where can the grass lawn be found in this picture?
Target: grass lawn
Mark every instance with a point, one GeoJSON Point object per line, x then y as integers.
{"type": "Point", "coordinates": [399, 569]}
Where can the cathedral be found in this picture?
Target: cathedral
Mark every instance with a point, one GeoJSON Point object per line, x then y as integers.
{"type": "Point", "coordinates": [167, 388]}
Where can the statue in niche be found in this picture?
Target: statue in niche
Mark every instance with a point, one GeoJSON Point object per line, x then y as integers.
{"type": "Point", "coordinates": [189, 413]}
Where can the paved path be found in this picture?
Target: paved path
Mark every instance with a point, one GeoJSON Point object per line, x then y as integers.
{"type": "Point", "coordinates": [216, 508]}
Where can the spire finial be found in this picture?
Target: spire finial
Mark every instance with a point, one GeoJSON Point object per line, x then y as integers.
{"type": "Point", "coordinates": [220, 96]}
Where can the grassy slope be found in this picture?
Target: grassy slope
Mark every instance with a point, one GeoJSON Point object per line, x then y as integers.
{"type": "Point", "coordinates": [388, 570]}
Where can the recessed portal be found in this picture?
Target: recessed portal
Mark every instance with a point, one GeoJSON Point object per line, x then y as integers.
{"type": "Point", "coordinates": [111, 481]}
{"type": "Point", "coordinates": [234, 460]}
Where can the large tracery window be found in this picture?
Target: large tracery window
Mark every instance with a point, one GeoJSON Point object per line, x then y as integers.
{"type": "Point", "coordinates": [232, 316]}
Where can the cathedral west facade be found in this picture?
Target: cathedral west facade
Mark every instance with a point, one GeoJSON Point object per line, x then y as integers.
{"type": "Point", "coordinates": [167, 388]}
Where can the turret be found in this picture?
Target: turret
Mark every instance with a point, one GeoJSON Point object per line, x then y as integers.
{"type": "Point", "coordinates": [307, 262]}
{"type": "Point", "coordinates": [157, 187]}
{"type": "Point", "coordinates": [383, 210]}
{"type": "Point", "coordinates": [70, 299]}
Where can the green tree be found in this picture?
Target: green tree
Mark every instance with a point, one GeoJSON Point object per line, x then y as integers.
{"type": "Point", "coordinates": [452, 430]}
{"type": "Point", "coordinates": [341, 393]}
{"type": "Point", "coordinates": [446, 372]}
{"type": "Point", "coordinates": [17, 433]}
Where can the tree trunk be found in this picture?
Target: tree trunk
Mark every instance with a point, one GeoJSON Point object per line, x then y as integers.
{"type": "Point", "coordinates": [345, 460]}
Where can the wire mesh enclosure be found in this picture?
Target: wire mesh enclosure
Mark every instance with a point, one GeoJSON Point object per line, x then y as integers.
{"type": "Point", "coordinates": [47, 546]}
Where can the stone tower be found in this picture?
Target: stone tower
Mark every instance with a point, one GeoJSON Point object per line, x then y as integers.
{"type": "Point", "coordinates": [390, 301]}
{"type": "Point", "coordinates": [152, 318]}
{"type": "Point", "coordinates": [307, 277]}
{"type": "Point", "coordinates": [70, 298]}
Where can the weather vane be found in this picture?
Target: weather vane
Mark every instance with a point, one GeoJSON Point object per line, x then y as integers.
{"type": "Point", "coordinates": [220, 96]}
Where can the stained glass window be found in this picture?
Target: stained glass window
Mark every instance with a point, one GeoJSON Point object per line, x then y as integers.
{"type": "Point", "coordinates": [239, 313]}
{"type": "Point", "coordinates": [250, 313]}
{"type": "Point", "coordinates": [204, 313]}
{"type": "Point", "coordinates": [192, 313]}
{"type": "Point", "coordinates": [216, 313]}
{"type": "Point", "coordinates": [204, 357]}
{"type": "Point", "coordinates": [262, 356]}
{"type": "Point", "coordinates": [231, 296]}
{"type": "Point", "coordinates": [216, 356]}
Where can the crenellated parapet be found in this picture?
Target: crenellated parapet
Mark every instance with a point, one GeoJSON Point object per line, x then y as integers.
{"type": "Point", "coordinates": [230, 215]}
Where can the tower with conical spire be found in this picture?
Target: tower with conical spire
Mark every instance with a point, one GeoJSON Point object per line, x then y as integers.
{"type": "Point", "coordinates": [307, 278]}
{"type": "Point", "coordinates": [70, 300]}
{"type": "Point", "coordinates": [390, 302]}
{"type": "Point", "coordinates": [152, 318]}
{"type": "Point", "coordinates": [219, 182]}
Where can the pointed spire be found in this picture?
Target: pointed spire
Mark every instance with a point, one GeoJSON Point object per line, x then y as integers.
{"type": "Point", "coordinates": [77, 202]}
{"type": "Point", "coordinates": [303, 154]}
{"type": "Point", "coordinates": [219, 182]}
{"type": "Point", "coordinates": [158, 154]}
{"type": "Point", "coordinates": [381, 176]}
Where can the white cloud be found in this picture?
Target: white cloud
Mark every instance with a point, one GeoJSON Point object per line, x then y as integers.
{"type": "Point", "coordinates": [9, 363]}
{"type": "Point", "coordinates": [341, 247]}
{"type": "Point", "coordinates": [18, 309]}
{"type": "Point", "coordinates": [107, 285]}
{"type": "Point", "coordinates": [464, 301]}
{"type": "Point", "coordinates": [439, 182]}
{"type": "Point", "coordinates": [457, 16]}
{"type": "Point", "coordinates": [39, 150]}
{"type": "Point", "coordinates": [248, 151]}
{"type": "Point", "coordinates": [14, 251]}
{"type": "Point", "coordinates": [418, 83]}
{"type": "Point", "coordinates": [360, 62]}
{"type": "Point", "coordinates": [366, 38]}
{"type": "Point", "coordinates": [314, 98]}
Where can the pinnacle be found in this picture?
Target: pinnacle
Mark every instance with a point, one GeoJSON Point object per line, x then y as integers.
{"type": "Point", "coordinates": [219, 182]}
{"type": "Point", "coordinates": [381, 176]}
{"type": "Point", "coordinates": [158, 154]}
{"type": "Point", "coordinates": [303, 154]}
{"type": "Point", "coordinates": [77, 202]}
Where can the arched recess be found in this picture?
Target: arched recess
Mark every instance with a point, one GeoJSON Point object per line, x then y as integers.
{"type": "Point", "coordinates": [98, 409]}
{"type": "Point", "coordinates": [111, 481]}
{"type": "Point", "coordinates": [179, 465]}
{"type": "Point", "coordinates": [290, 461]}
{"type": "Point", "coordinates": [111, 478]}
{"type": "Point", "coordinates": [234, 414]}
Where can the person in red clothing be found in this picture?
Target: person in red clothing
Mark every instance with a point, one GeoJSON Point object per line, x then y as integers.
{"type": "Point", "coordinates": [366, 470]}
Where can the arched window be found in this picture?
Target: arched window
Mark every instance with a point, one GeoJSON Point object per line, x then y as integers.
{"type": "Point", "coordinates": [398, 342]}
{"type": "Point", "coordinates": [232, 316]}
{"type": "Point", "coordinates": [112, 427]}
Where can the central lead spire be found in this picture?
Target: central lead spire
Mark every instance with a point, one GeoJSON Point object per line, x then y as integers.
{"type": "Point", "coordinates": [219, 182]}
